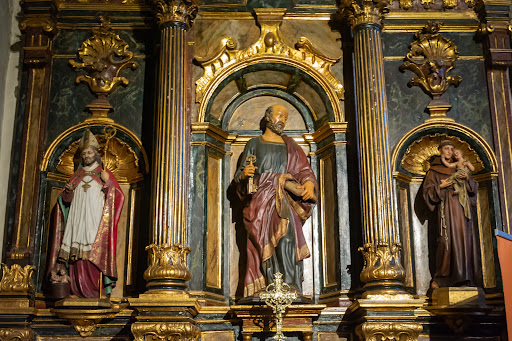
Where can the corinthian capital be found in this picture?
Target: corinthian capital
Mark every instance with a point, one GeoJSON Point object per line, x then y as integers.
{"type": "Point", "coordinates": [363, 12]}
{"type": "Point", "coordinates": [183, 11]}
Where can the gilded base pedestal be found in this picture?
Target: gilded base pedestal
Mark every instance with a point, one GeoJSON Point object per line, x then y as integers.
{"type": "Point", "coordinates": [165, 316]}
{"type": "Point", "coordinates": [85, 313]}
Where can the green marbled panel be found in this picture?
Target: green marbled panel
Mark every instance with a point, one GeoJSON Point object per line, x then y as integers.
{"type": "Point", "coordinates": [397, 44]}
{"type": "Point", "coordinates": [69, 41]}
{"type": "Point", "coordinates": [406, 105]}
{"type": "Point", "coordinates": [68, 100]}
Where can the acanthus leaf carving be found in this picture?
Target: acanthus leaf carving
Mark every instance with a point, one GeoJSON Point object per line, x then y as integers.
{"type": "Point", "coordinates": [17, 279]}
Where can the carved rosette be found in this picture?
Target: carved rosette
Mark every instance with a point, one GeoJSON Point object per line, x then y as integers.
{"type": "Point", "coordinates": [431, 57]}
{"type": "Point", "coordinates": [382, 263]}
{"type": "Point", "coordinates": [17, 279]}
{"type": "Point", "coordinates": [182, 11]}
{"type": "Point", "coordinates": [103, 57]}
{"type": "Point", "coordinates": [389, 331]}
{"type": "Point", "coordinates": [167, 263]}
{"type": "Point", "coordinates": [168, 331]}
{"type": "Point", "coordinates": [16, 334]}
{"type": "Point", "coordinates": [364, 12]}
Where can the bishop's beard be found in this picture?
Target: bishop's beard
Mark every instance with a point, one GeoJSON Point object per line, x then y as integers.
{"type": "Point", "coordinates": [276, 127]}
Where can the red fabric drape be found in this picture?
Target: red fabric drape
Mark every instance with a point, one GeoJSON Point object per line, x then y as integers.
{"type": "Point", "coordinates": [505, 256]}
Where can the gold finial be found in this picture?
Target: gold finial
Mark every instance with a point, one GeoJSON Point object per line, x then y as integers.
{"type": "Point", "coordinates": [278, 296]}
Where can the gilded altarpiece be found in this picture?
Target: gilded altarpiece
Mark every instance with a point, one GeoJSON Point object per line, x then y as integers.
{"type": "Point", "coordinates": [233, 59]}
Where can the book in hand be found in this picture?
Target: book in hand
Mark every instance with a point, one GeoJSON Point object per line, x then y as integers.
{"type": "Point", "coordinates": [292, 186]}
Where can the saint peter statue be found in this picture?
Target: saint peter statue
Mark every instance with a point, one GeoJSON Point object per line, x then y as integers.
{"type": "Point", "coordinates": [283, 199]}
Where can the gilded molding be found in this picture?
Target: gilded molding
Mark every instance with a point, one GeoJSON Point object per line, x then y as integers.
{"type": "Point", "coordinates": [270, 47]}
{"type": "Point", "coordinates": [167, 262]}
{"type": "Point", "coordinates": [431, 57]}
{"type": "Point", "coordinates": [167, 331]}
{"type": "Point", "coordinates": [119, 158]}
{"type": "Point", "coordinates": [364, 12]}
{"type": "Point", "coordinates": [45, 22]}
{"type": "Point", "coordinates": [103, 56]}
{"type": "Point", "coordinates": [381, 263]}
{"type": "Point", "coordinates": [16, 334]}
{"type": "Point", "coordinates": [416, 158]}
{"type": "Point", "coordinates": [389, 331]}
{"type": "Point", "coordinates": [17, 279]}
{"type": "Point", "coordinates": [183, 11]}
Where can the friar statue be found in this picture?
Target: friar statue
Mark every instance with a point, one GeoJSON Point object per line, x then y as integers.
{"type": "Point", "coordinates": [283, 196]}
{"type": "Point", "coordinates": [84, 224]}
{"type": "Point", "coordinates": [456, 261]}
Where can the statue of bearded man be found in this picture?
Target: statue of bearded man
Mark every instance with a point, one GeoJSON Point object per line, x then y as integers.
{"type": "Point", "coordinates": [275, 212]}
{"type": "Point", "coordinates": [84, 224]}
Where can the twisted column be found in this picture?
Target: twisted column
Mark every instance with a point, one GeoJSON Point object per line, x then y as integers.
{"type": "Point", "coordinates": [167, 254]}
{"type": "Point", "coordinates": [382, 272]}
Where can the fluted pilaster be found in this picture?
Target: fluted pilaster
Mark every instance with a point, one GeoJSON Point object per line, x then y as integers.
{"type": "Point", "coordinates": [167, 253]}
{"type": "Point", "coordinates": [382, 273]}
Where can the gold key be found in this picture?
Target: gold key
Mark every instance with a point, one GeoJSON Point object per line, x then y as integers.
{"type": "Point", "coordinates": [251, 187]}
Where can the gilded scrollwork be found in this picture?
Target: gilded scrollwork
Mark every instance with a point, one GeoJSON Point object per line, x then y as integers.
{"type": "Point", "coordinates": [16, 334]}
{"type": "Point", "coordinates": [17, 279]}
{"type": "Point", "coordinates": [416, 158]}
{"type": "Point", "coordinates": [168, 331]}
{"type": "Point", "coordinates": [167, 261]}
{"type": "Point", "coordinates": [431, 57]}
{"type": "Point", "coordinates": [119, 158]}
{"type": "Point", "coordinates": [183, 11]}
{"type": "Point", "coordinates": [271, 47]}
{"type": "Point", "coordinates": [389, 331]}
{"type": "Point", "coordinates": [103, 56]}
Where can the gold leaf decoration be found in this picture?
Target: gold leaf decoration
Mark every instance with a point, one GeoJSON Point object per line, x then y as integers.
{"type": "Point", "coordinates": [417, 156]}
{"type": "Point", "coordinates": [431, 57]}
{"type": "Point", "coordinates": [103, 57]}
{"type": "Point", "coordinates": [120, 159]}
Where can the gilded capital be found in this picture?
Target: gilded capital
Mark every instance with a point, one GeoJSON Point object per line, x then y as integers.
{"type": "Point", "coordinates": [17, 279]}
{"type": "Point", "coordinates": [364, 12]}
{"type": "Point", "coordinates": [183, 11]}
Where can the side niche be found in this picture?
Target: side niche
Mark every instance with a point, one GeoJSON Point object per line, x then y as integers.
{"type": "Point", "coordinates": [417, 156]}
{"type": "Point", "coordinates": [118, 157]}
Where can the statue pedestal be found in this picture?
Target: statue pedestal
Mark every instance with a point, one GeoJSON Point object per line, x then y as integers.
{"type": "Point", "coordinates": [261, 318]}
{"type": "Point", "coordinates": [85, 313]}
{"type": "Point", "coordinates": [459, 297]}
{"type": "Point", "coordinates": [459, 307]}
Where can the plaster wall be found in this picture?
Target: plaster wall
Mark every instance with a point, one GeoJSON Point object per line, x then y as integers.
{"type": "Point", "coordinates": [9, 71]}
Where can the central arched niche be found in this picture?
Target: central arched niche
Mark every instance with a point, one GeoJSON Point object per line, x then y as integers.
{"type": "Point", "coordinates": [236, 87]}
{"type": "Point", "coordinates": [232, 117]}
{"type": "Point", "coordinates": [280, 80]}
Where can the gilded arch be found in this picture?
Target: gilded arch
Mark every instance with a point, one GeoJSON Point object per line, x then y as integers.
{"type": "Point", "coordinates": [270, 49]}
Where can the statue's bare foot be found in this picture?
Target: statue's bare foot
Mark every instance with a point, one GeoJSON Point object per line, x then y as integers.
{"type": "Point", "coordinates": [434, 285]}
